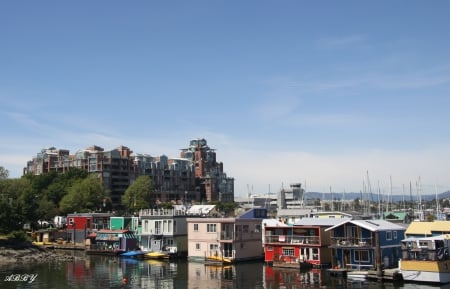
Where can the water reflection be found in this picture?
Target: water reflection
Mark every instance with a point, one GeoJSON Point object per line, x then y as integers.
{"type": "Point", "coordinates": [108, 272]}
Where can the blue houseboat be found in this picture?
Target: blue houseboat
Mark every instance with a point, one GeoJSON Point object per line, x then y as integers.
{"type": "Point", "coordinates": [366, 244]}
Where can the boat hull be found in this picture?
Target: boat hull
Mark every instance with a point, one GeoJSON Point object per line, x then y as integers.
{"type": "Point", "coordinates": [425, 271]}
{"type": "Point", "coordinates": [157, 256]}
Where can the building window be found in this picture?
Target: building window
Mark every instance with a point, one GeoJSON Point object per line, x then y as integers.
{"type": "Point", "coordinates": [211, 228]}
{"type": "Point", "coordinates": [245, 228]}
{"type": "Point", "coordinates": [395, 235]}
{"type": "Point", "coordinates": [288, 252]}
{"type": "Point", "coordinates": [196, 227]}
{"type": "Point", "coordinates": [197, 246]}
{"type": "Point", "coordinates": [269, 248]}
{"type": "Point", "coordinates": [213, 247]}
{"type": "Point", "coordinates": [389, 235]}
{"type": "Point", "coordinates": [362, 256]}
{"type": "Point", "coordinates": [258, 228]}
{"type": "Point", "coordinates": [174, 226]}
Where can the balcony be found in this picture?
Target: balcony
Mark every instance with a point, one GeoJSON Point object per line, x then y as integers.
{"type": "Point", "coordinates": [351, 242]}
{"type": "Point", "coordinates": [226, 235]}
{"type": "Point", "coordinates": [286, 239]}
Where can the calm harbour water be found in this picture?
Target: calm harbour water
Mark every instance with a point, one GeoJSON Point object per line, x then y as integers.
{"type": "Point", "coordinates": [108, 272]}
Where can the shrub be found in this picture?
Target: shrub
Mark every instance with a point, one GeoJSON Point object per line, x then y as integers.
{"type": "Point", "coordinates": [19, 236]}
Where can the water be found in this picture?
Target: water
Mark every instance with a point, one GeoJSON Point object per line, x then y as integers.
{"type": "Point", "coordinates": [108, 272]}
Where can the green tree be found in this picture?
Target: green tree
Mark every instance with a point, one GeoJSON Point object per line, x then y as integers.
{"type": "Point", "coordinates": [225, 207]}
{"type": "Point", "coordinates": [4, 173]}
{"type": "Point", "coordinates": [138, 195]}
{"type": "Point", "coordinates": [10, 219]}
{"type": "Point", "coordinates": [46, 209]}
{"type": "Point", "coordinates": [84, 196]}
{"type": "Point", "coordinates": [16, 204]}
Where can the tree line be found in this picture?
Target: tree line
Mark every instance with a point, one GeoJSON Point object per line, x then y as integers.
{"type": "Point", "coordinates": [31, 198]}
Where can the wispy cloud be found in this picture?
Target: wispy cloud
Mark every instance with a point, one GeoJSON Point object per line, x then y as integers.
{"type": "Point", "coordinates": [341, 42]}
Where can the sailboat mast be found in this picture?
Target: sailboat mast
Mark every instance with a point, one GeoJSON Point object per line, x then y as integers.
{"type": "Point", "coordinates": [438, 210]}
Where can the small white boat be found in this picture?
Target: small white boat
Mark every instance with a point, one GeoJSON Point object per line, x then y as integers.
{"type": "Point", "coordinates": [357, 275]}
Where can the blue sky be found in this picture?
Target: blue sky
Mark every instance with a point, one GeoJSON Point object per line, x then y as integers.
{"type": "Point", "coordinates": [318, 92]}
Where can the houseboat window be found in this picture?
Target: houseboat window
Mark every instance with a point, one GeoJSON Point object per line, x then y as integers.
{"type": "Point", "coordinates": [158, 227]}
{"type": "Point", "coordinates": [331, 217]}
{"type": "Point", "coordinates": [389, 235]}
{"type": "Point", "coordinates": [211, 228]}
{"type": "Point", "coordinates": [288, 252]}
{"type": "Point", "coordinates": [197, 246]}
{"type": "Point", "coordinates": [394, 233]}
{"type": "Point", "coordinates": [196, 227]}
{"type": "Point", "coordinates": [362, 255]}
{"type": "Point", "coordinates": [315, 253]}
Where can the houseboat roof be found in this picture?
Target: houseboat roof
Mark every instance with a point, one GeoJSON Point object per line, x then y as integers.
{"type": "Point", "coordinates": [89, 215]}
{"type": "Point", "coordinates": [273, 223]}
{"type": "Point", "coordinates": [200, 209]}
{"type": "Point", "coordinates": [427, 228]}
{"type": "Point", "coordinates": [107, 231]}
{"type": "Point", "coordinates": [371, 225]}
{"type": "Point", "coordinates": [318, 222]}
{"type": "Point", "coordinates": [293, 212]}
{"type": "Point", "coordinates": [440, 237]}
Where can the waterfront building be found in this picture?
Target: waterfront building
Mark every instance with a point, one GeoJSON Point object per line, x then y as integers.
{"type": "Point", "coordinates": [130, 223]}
{"type": "Point", "coordinates": [112, 242]}
{"type": "Point", "coordinates": [291, 216]}
{"type": "Point", "coordinates": [236, 239]}
{"type": "Point", "coordinates": [195, 176]}
{"type": "Point", "coordinates": [365, 244]}
{"type": "Point", "coordinates": [80, 225]}
{"type": "Point", "coordinates": [304, 244]}
{"type": "Point", "coordinates": [164, 230]}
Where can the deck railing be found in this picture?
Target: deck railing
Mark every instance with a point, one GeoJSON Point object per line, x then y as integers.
{"type": "Point", "coordinates": [351, 242]}
{"type": "Point", "coordinates": [286, 239]}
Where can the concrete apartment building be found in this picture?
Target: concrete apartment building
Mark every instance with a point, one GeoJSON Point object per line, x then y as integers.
{"type": "Point", "coordinates": [195, 176]}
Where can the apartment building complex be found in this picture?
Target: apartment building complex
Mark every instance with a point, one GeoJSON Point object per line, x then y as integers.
{"type": "Point", "coordinates": [194, 176]}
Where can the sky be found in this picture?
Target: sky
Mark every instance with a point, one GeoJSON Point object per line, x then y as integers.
{"type": "Point", "coordinates": [331, 94]}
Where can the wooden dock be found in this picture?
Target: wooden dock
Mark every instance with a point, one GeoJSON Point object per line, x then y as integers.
{"type": "Point", "coordinates": [390, 275]}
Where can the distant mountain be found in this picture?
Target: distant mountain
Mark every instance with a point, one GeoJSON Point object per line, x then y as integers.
{"type": "Point", "coordinates": [373, 197]}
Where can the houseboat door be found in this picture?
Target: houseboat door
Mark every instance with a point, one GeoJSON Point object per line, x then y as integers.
{"type": "Point", "coordinates": [346, 258]}
{"type": "Point", "coordinates": [227, 250]}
